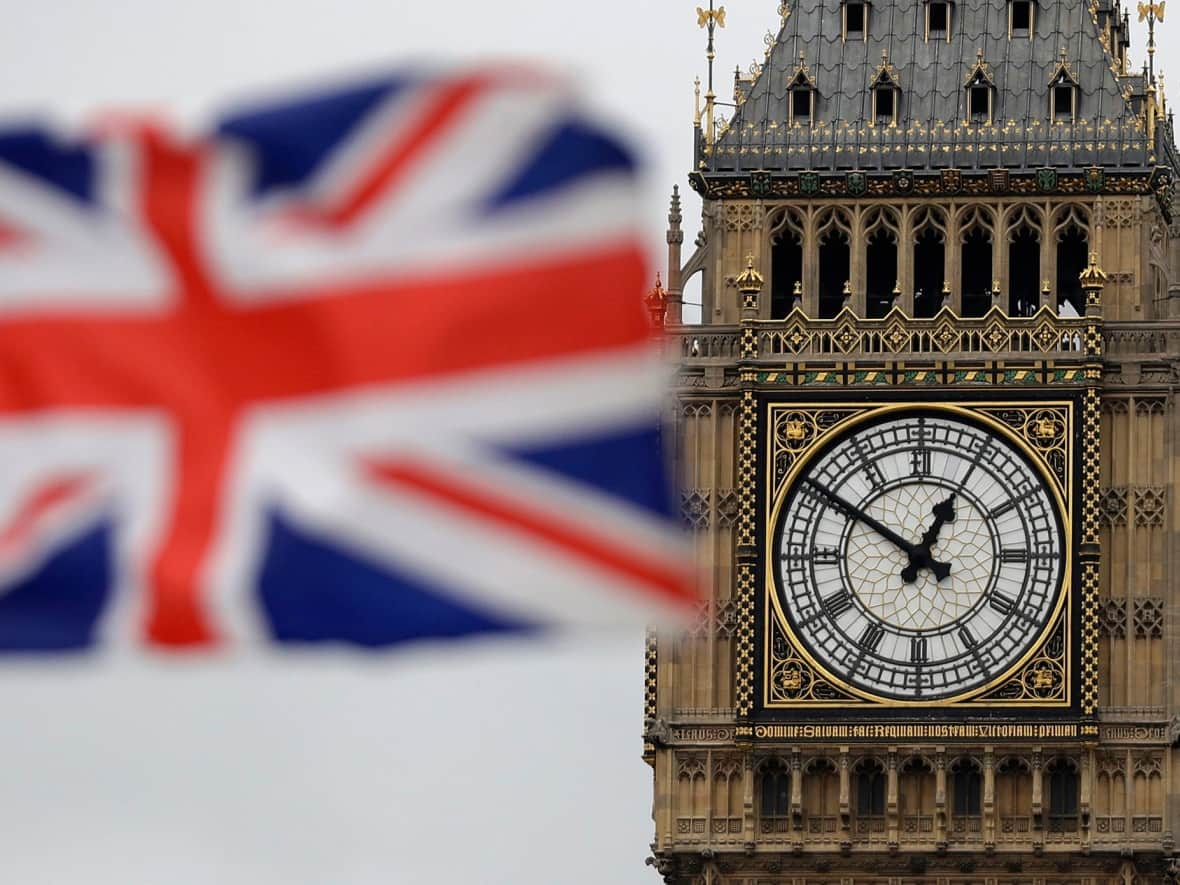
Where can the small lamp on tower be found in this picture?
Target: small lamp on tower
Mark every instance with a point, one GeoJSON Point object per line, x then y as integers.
{"type": "Point", "coordinates": [749, 284]}
{"type": "Point", "coordinates": [1093, 280]}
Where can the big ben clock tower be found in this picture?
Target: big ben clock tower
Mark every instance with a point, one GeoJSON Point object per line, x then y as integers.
{"type": "Point", "coordinates": [928, 438]}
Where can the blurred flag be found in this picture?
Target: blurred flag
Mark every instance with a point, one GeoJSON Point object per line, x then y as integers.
{"type": "Point", "coordinates": [365, 366]}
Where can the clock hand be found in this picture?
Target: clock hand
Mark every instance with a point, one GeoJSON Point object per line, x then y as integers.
{"type": "Point", "coordinates": [944, 512]}
{"type": "Point", "coordinates": [856, 513]}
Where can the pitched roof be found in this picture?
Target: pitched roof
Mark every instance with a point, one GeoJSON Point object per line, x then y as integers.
{"type": "Point", "coordinates": [932, 129]}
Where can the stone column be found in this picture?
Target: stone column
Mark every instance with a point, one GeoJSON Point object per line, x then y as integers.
{"type": "Point", "coordinates": [891, 823]}
{"type": "Point", "coordinates": [675, 238]}
{"type": "Point", "coordinates": [989, 797]}
{"type": "Point", "coordinates": [940, 795]}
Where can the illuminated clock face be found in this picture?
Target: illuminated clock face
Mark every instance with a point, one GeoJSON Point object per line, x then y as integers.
{"type": "Point", "coordinates": [919, 556]}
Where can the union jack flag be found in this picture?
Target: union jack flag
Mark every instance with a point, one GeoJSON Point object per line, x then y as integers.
{"type": "Point", "coordinates": [366, 366]}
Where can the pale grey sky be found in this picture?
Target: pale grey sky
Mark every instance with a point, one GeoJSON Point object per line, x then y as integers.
{"type": "Point", "coordinates": [488, 763]}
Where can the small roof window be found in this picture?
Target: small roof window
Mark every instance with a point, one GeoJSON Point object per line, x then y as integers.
{"type": "Point", "coordinates": [1063, 92]}
{"type": "Point", "coordinates": [886, 93]}
{"type": "Point", "coordinates": [1020, 18]}
{"type": "Point", "coordinates": [802, 94]}
{"type": "Point", "coordinates": [938, 20]}
{"type": "Point", "coordinates": [856, 19]}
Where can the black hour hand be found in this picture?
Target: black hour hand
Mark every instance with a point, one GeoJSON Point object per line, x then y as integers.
{"type": "Point", "coordinates": [943, 512]}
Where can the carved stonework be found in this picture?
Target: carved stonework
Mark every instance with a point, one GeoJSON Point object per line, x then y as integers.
{"type": "Point", "coordinates": [742, 217]}
{"type": "Point", "coordinates": [1112, 617]}
{"type": "Point", "coordinates": [1119, 213]}
{"type": "Point", "coordinates": [728, 507]}
{"type": "Point", "coordinates": [1150, 505]}
{"type": "Point", "coordinates": [1148, 618]}
{"type": "Point", "coordinates": [696, 507]}
{"type": "Point", "coordinates": [718, 619]}
{"type": "Point", "coordinates": [1112, 506]}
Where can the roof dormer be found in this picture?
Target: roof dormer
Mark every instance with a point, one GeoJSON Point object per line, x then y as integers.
{"type": "Point", "coordinates": [1063, 92]}
{"type": "Point", "coordinates": [802, 91]}
{"type": "Point", "coordinates": [886, 93]}
{"type": "Point", "coordinates": [980, 92]}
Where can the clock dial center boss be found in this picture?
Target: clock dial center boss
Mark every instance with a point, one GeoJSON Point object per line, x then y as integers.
{"type": "Point", "coordinates": [919, 554]}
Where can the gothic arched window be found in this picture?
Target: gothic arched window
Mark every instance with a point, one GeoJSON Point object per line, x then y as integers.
{"type": "Point", "coordinates": [870, 790]}
{"type": "Point", "coordinates": [775, 795]}
{"type": "Point", "coordinates": [1063, 796]}
{"type": "Point", "coordinates": [965, 788]}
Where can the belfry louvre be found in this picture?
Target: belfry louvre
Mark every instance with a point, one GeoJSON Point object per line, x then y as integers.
{"type": "Point", "coordinates": [927, 443]}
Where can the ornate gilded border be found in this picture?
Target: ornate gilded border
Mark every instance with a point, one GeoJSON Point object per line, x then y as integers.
{"type": "Point", "coordinates": [1044, 429]}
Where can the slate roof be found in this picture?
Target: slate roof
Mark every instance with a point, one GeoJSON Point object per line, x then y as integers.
{"type": "Point", "coordinates": [931, 131]}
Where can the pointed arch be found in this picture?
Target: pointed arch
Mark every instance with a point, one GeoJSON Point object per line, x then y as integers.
{"type": "Point", "coordinates": [1071, 242]}
{"type": "Point", "coordinates": [881, 234]}
{"type": "Point", "coordinates": [1023, 224]}
{"type": "Point", "coordinates": [929, 226]}
{"type": "Point", "coordinates": [787, 235]}
{"type": "Point", "coordinates": [977, 228]}
{"type": "Point", "coordinates": [833, 237]}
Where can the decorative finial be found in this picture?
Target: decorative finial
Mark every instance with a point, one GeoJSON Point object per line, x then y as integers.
{"type": "Point", "coordinates": [1152, 12]}
{"type": "Point", "coordinates": [1045, 290]}
{"type": "Point", "coordinates": [675, 234]}
{"type": "Point", "coordinates": [656, 302]}
{"type": "Point", "coordinates": [797, 294]}
{"type": "Point", "coordinates": [979, 55]}
{"type": "Point", "coordinates": [846, 292]}
{"type": "Point", "coordinates": [749, 283]}
{"type": "Point", "coordinates": [706, 17]}
{"type": "Point", "coordinates": [945, 294]}
{"type": "Point", "coordinates": [710, 19]}
{"type": "Point", "coordinates": [1093, 275]}
{"type": "Point", "coordinates": [749, 280]}
{"type": "Point", "coordinates": [1093, 279]}
{"type": "Point", "coordinates": [696, 114]}
{"type": "Point", "coordinates": [995, 290]}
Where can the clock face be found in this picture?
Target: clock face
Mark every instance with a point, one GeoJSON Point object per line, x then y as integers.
{"type": "Point", "coordinates": [919, 556]}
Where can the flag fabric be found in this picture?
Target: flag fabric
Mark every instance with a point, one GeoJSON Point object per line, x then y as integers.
{"type": "Point", "coordinates": [363, 366]}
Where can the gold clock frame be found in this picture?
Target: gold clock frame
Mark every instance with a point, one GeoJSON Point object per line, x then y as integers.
{"type": "Point", "coordinates": [1044, 430]}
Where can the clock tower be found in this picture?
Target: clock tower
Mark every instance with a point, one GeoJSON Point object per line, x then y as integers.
{"type": "Point", "coordinates": [927, 443]}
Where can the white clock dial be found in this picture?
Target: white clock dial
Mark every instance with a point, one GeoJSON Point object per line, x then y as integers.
{"type": "Point", "coordinates": [919, 556]}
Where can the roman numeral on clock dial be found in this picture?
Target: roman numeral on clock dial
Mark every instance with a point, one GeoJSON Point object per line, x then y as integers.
{"type": "Point", "coordinates": [920, 462]}
{"type": "Point", "coordinates": [918, 652]}
{"type": "Point", "coordinates": [838, 603]}
{"type": "Point", "coordinates": [871, 637]}
{"type": "Point", "coordinates": [1001, 603]}
{"type": "Point", "coordinates": [825, 556]}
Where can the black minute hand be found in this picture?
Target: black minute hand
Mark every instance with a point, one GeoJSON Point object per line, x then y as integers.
{"type": "Point", "coordinates": [856, 513]}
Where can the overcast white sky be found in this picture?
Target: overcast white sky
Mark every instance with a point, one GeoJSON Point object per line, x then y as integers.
{"type": "Point", "coordinates": [487, 763]}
